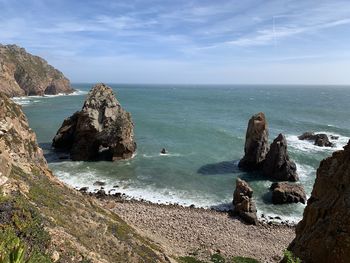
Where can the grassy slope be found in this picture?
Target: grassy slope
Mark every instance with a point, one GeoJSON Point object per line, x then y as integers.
{"type": "Point", "coordinates": [48, 217]}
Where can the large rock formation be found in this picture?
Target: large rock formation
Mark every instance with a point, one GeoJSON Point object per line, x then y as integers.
{"type": "Point", "coordinates": [323, 235]}
{"type": "Point", "coordinates": [244, 205]}
{"type": "Point", "coordinates": [53, 222]}
{"type": "Point", "coordinates": [319, 139]}
{"type": "Point", "coordinates": [22, 74]}
{"type": "Point", "coordinates": [256, 143]}
{"type": "Point", "coordinates": [277, 165]}
{"type": "Point", "coordinates": [283, 193]}
{"type": "Point", "coordinates": [102, 130]}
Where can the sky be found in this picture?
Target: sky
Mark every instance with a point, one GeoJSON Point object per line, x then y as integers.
{"type": "Point", "coordinates": [184, 41]}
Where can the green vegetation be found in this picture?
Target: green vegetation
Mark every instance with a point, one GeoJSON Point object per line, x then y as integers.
{"type": "Point", "coordinates": [218, 258]}
{"type": "Point", "coordinates": [22, 235]}
{"type": "Point", "coordinates": [244, 260]}
{"type": "Point", "coordinates": [15, 255]}
{"type": "Point", "coordinates": [77, 215]}
{"type": "Point", "coordinates": [290, 258]}
{"type": "Point", "coordinates": [188, 259]}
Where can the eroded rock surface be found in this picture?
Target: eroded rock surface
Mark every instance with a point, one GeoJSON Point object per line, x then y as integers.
{"type": "Point", "coordinates": [323, 235]}
{"type": "Point", "coordinates": [277, 165]}
{"type": "Point", "coordinates": [256, 143]}
{"type": "Point", "coordinates": [22, 74]}
{"type": "Point", "coordinates": [244, 205]}
{"type": "Point", "coordinates": [102, 130]}
{"type": "Point", "coordinates": [283, 193]}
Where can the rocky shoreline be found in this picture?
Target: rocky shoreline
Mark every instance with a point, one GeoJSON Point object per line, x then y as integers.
{"type": "Point", "coordinates": [119, 197]}
{"type": "Point", "coordinates": [201, 232]}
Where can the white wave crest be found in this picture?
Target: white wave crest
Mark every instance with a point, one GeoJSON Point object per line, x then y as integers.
{"type": "Point", "coordinates": [308, 146]}
{"type": "Point", "coordinates": [28, 100]}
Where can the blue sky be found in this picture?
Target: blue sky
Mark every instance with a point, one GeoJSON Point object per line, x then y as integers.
{"type": "Point", "coordinates": [161, 41]}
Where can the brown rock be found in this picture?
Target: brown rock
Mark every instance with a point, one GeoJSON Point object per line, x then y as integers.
{"type": "Point", "coordinates": [24, 74]}
{"type": "Point", "coordinates": [244, 206]}
{"type": "Point", "coordinates": [256, 144]}
{"type": "Point", "coordinates": [102, 130]}
{"type": "Point", "coordinates": [283, 193]}
{"type": "Point", "coordinates": [277, 165]}
{"type": "Point", "coordinates": [323, 235]}
{"type": "Point", "coordinates": [319, 139]}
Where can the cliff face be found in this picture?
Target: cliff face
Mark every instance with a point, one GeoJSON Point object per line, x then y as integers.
{"type": "Point", "coordinates": [323, 235]}
{"type": "Point", "coordinates": [24, 74]}
{"type": "Point", "coordinates": [53, 222]}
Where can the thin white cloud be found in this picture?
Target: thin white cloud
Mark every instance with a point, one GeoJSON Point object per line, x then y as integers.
{"type": "Point", "coordinates": [263, 37]}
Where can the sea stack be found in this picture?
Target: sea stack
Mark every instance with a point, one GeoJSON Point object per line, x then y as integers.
{"type": "Point", "coordinates": [22, 74]}
{"type": "Point", "coordinates": [323, 235]}
{"type": "Point", "coordinates": [244, 206]}
{"type": "Point", "coordinates": [256, 143]}
{"type": "Point", "coordinates": [277, 165]}
{"type": "Point", "coordinates": [102, 130]}
{"type": "Point", "coordinates": [284, 193]}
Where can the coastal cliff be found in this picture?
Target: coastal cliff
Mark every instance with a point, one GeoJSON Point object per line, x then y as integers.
{"type": "Point", "coordinates": [323, 235]}
{"type": "Point", "coordinates": [52, 222]}
{"type": "Point", "coordinates": [22, 74]}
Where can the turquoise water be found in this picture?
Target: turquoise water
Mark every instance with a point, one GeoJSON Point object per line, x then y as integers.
{"type": "Point", "coordinates": [203, 128]}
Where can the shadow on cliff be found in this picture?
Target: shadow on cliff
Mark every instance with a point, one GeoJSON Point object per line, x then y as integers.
{"type": "Point", "coordinates": [225, 167]}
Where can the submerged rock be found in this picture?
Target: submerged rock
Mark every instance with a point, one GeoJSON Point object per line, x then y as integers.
{"type": "Point", "coordinates": [102, 130]}
{"type": "Point", "coordinates": [323, 235]}
{"type": "Point", "coordinates": [244, 206]}
{"type": "Point", "coordinates": [256, 143]}
{"type": "Point", "coordinates": [283, 193]}
{"type": "Point", "coordinates": [277, 165]}
{"type": "Point", "coordinates": [319, 139]}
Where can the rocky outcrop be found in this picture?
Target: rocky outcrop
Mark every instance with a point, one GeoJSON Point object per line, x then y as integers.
{"type": "Point", "coordinates": [22, 74]}
{"type": "Point", "coordinates": [283, 193]}
{"type": "Point", "coordinates": [256, 143]}
{"type": "Point", "coordinates": [277, 165]}
{"type": "Point", "coordinates": [244, 205]}
{"type": "Point", "coordinates": [102, 130]}
{"type": "Point", "coordinates": [323, 235]}
{"type": "Point", "coordinates": [319, 139]}
{"type": "Point", "coordinates": [52, 221]}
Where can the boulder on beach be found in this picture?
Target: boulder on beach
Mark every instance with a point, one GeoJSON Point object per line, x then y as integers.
{"type": "Point", "coordinates": [323, 235]}
{"type": "Point", "coordinates": [102, 130]}
{"type": "Point", "coordinates": [277, 165]}
{"type": "Point", "coordinates": [256, 143]}
{"type": "Point", "coordinates": [244, 205]}
{"type": "Point", "coordinates": [319, 139]}
{"type": "Point", "coordinates": [283, 193]}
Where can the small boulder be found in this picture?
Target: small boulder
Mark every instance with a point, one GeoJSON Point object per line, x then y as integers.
{"type": "Point", "coordinates": [277, 165]}
{"type": "Point", "coordinates": [319, 139]}
{"type": "Point", "coordinates": [163, 151]}
{"type": "Point", "coordinates": [84, 189]}
{"type": "Point", "coordinates": [323, 141]}
{"type": "Point", "coordinates": [283, 193]}
{"type": "Point", "coordinates": [256, 143]}
{"type": "Point", "coordinates": [101, 193]}
{"type": "Point", "coordinates": [99, 183]}
{"type": "Point", "coordinates": [244, 205]}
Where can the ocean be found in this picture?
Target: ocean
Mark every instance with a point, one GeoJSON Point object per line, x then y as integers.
{"type": "Point", "coordinates": [203, 129]}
